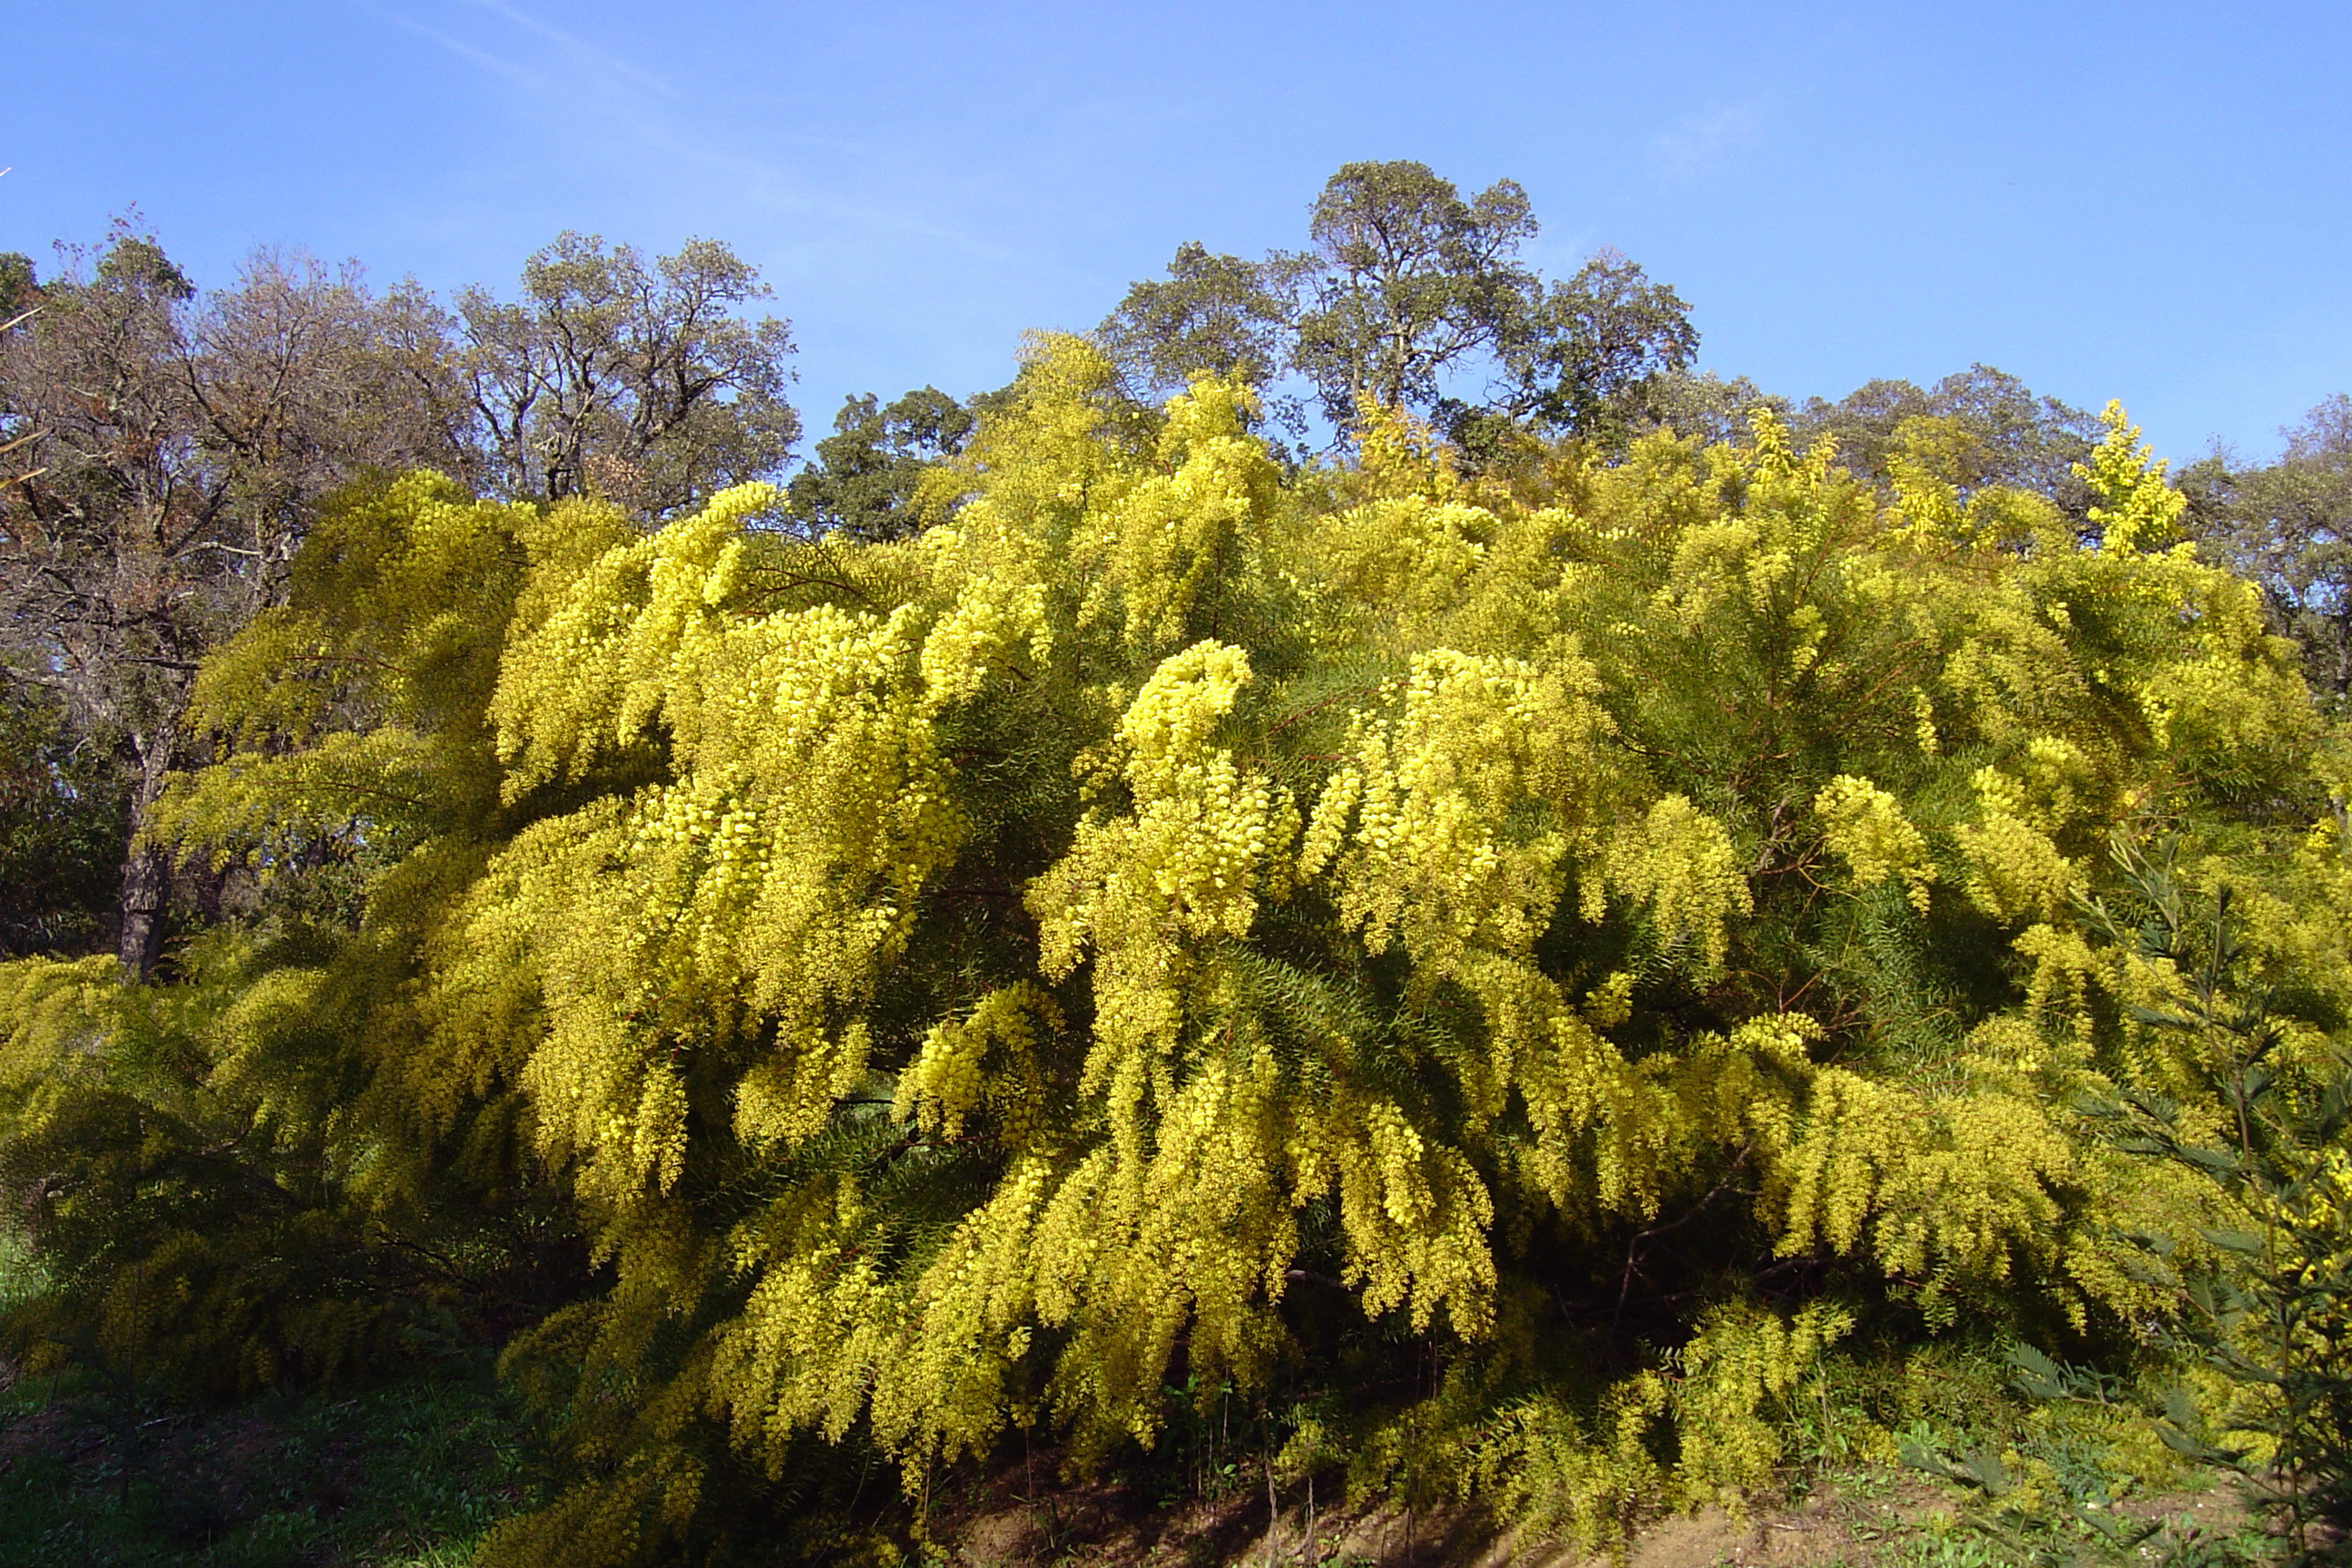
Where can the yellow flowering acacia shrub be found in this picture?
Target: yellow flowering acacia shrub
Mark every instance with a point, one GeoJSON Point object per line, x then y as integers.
{"type": "Point", "coordinates": [1172, 924]}
{"type": "Point", "coordinates": [271, 1168]}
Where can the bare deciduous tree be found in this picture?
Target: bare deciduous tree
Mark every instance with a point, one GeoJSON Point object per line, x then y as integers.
{"type": "Point", "coordinates": [614, 372]}
{"type": "Point", "coordinates": [170, 450]}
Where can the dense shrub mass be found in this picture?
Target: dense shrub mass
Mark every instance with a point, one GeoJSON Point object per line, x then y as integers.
{"type": "Point", "coordinates": [1550, 958]}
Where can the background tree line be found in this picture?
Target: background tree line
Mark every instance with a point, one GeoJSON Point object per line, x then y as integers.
{"type": "Point", "coordinates": [165, 449]}
{"type": "Point", "coordinates": [168, 447]}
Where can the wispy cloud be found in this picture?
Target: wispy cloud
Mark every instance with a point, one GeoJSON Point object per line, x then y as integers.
{"type": "Point", "coordinates": [580, 49]}
{"type": "Point", "coordinates": [601, 70]}
{"type": "Point", "coordinates": [591, 83]}
{"type": "Point", "coordinates": [1704, 143]}
{"type": "Point", "coordinates": [480, 59]}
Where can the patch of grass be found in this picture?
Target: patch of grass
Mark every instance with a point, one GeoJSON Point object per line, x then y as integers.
{"type": "Point", "coordinates": [22, 1277]}
{"type": "Point", "coordinates": [1947, 1549]}
{"type": "Point", "coordinates": [404, 1475]}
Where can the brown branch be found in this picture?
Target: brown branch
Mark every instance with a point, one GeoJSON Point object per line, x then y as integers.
{"type": "Point", "coordinates": [1633, 1248]}
{"type": "Point", "coordinates": [1308, 1277]}
{"type": "Point", "coordinates": [1311, 711]}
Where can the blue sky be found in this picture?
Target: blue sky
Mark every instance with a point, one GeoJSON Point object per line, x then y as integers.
{"type": "Point", "coordinates": [2147, 201]}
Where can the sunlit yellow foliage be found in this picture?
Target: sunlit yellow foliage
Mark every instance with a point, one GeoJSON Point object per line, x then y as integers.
{"type": "Point", "coordinates": [2136, 510]}
{"type": "Point", "coordinates": [1738, 1361]}
{"type": "Point", "coordinates": [1864, 826]}
{"type": "Point", "coordinates": [985, 980]}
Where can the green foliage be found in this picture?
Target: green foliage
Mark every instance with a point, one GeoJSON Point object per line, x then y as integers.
{"type": "Point", "coordinates": [404, 1476]}
{"type": "Point", "coordinates": [1528, 982]}
{"type": "Point", "coordinates": [2024, 1525]}
{"type": "Point", "coordinates": [1412, 278]}
{"type": "Point", "coordinates": [2268, 1303]}
{"type": "Point", "coordinates": [1212, 315]}
{"type": "Point", "coordinates": [1407, 290]}
{"type": "Point", "coordinates": [61, 830]}
{"type": "Point", "coordinates": [2288, 526]}
{"type": "Point", "coordinates": [1590, 356]}
{"type": "Point", "coordinates": [19, 284]}
{"type": "Point", "coordinates": [867, 479]}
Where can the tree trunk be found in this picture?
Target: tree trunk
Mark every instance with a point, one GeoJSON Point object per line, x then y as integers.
{"type": "Point", "coordinates": [146, 866]}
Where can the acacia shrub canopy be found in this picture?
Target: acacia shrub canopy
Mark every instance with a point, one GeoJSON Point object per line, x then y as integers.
{"type": "Point", "coordinates": [169, 450]}
{"type": "Point", "coordinates": [982, 981]}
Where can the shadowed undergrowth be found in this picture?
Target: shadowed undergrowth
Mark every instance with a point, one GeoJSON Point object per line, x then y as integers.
{"type": "Point", "coordinates": [408, 1474]}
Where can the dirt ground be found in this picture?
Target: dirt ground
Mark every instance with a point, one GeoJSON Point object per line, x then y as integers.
{"type": "Point", "coordinates": [385, 1478]}
{"type": "Point", "coordinates": [1867, 1519]}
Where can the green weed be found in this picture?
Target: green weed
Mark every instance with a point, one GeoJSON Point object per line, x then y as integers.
{"type": "Point", "coordinates": [406, 1476]}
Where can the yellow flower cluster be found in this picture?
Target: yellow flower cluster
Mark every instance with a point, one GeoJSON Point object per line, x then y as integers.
{"type": "Point", "coordinates": [952, 1078]}
{"type": "Point", "coordinates": [1740, 1364]}
{"type": "Point", "coordinates": [2015, 871]}
{"type": "Point", "coordinates": [2320, 1220]}
{"type": "Point", "coordinates": [1680, 863]}
{"type": "Point", "coordinates": [1431, 861]}
{"type": "Point", "coordinates": [1864, 826]}
{"type": "Point", "coordinates": [1945, 1186]}
{"type": "Point", "coordinates": [2136, 510]}
{"type": "Point", "coordinates": [1141, 889]}
{"type": "Point", "coordinates": [1149, 558]}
